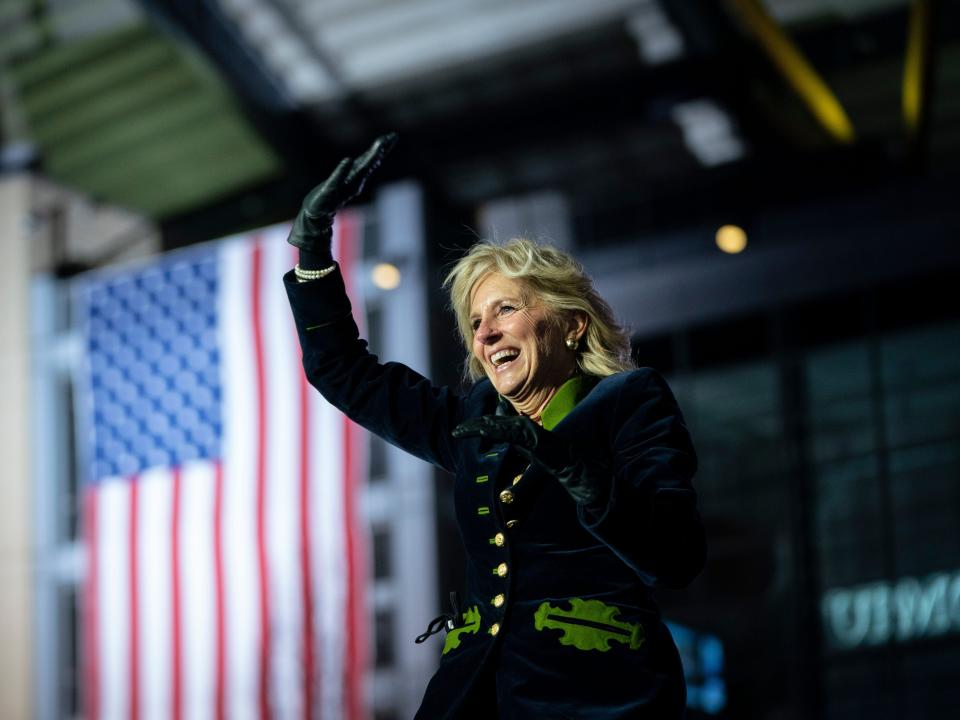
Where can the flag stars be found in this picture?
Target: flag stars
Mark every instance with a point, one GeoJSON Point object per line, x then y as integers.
{"type": "Point", "coordinates": [155, 367]}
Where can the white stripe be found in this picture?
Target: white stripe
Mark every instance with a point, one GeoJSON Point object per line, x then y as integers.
{"type": "Point", "coordinates": [239, 496]}
{"type": "Point", "coordinates": [332, 571]}
{"type": "Point", "coordinates": [154, 592]}
{"type": "Point", "coordinates": [329, 550]}
{"type": "Point", "coordinates": [114, 608]}
{"type": "Point", "coordinates": [198, 590]}
{"type": "Point", "coordinates": [283, 454]}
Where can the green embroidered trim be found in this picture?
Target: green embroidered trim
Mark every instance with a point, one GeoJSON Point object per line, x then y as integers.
{"type": "Point", "coordinates": [482, 478]}
{"type": "Point", "coordinates": [483, 510]}
{"type": "Point", "coordinates": [589, 625]}
{"type": "Point", "coordinates": [562, 403]}
{"type": "Point", "coordinates": [471, 624]}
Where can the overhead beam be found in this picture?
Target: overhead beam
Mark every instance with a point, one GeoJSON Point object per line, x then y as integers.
{"type": "Point", "coordinates": [918, 74]}
{"type": "Point", "coordinates": [448, 39]}
{"type": "Point", "coordinates": [295, 26]}
{"type": "Point", "coordinates": [796, 70]}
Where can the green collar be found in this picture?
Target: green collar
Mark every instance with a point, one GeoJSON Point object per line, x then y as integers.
{"type": "Point", "coordinates": [562, 403]}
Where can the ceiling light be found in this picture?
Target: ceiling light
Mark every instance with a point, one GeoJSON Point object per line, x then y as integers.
{"type": "Point", "coordinates": [385, 276]}
{"type": "Point", "coordinates": [732, 239]}
{"type": "Point", "coordinates": [658, 39]}
{"type": "Point", "coordinates": [708, 132]}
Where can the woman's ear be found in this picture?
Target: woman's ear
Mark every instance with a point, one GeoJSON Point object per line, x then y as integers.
{"type": "Point", "coordinates": [577, 323]}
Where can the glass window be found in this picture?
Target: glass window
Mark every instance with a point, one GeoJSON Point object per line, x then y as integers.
{"type": "Point", "coordinates": [381, 552]}
{"type": "Point", "coordinates": [921, 377]}
{"type": "Point", "coordinates": [840, 403]}
{"type": "Point", "coordinates": [736, 421]}
{"type": "Point", "coordinates": [384, 638]}
{"type": "Point", "coordinates": [849, 521]}
{"type": "Point", "coordinates": [70, 651]}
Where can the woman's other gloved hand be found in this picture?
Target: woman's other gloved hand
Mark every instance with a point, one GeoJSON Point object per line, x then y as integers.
{"type": "Point", "coordinates": [312, 230]}
{"type": "Point", "coordinates": [548, 450]}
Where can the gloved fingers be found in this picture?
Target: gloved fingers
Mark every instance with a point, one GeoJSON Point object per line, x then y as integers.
{"type": "Point", "coordinates": [518, 431]}
{"type": "Point", "coordinates": [364, 165]}
{"type": "Point", "coordinates": [477, 427]}
{"type": "Point", "coordinates": [374, 155]}
{"type": "Point", "coordinates": [554, 454]}
{"type": "Point", "coordinates": [323, 200]}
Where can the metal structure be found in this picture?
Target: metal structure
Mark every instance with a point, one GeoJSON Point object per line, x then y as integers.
{"type": "Point", "coordinates": [687, 104]}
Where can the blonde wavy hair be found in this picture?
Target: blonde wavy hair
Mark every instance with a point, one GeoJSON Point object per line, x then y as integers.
{"type": "Point", "coordinates": [554, 279]}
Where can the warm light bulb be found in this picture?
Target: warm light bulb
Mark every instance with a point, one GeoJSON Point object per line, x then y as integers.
{"type": "Point", "coordinates": [731, 239]}
{"type": "Point", "coordinates": [386, 276]}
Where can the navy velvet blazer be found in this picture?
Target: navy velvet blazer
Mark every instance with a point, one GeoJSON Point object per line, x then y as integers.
{"type": "Point", "coordinates": [558, 609]}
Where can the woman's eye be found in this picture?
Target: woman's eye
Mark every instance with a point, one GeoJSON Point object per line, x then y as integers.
{"type": "Point", "coordinates": [475, 324]}
{"type": "Point", "coordinates": [506, 309]}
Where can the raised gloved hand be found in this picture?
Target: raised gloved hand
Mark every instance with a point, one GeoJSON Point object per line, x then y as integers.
{"type": "Point", "coordinates": [543, 447]}
{"type": "Point", "coordinates": [312, 230]}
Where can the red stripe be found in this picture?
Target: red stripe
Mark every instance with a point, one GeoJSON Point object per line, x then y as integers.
{"type": "Point", "coordinates": [221, 638]}
{"type": "Point", "coordinates": [91, 627]}
{"type": "Point", "coordinates": [306, 563]}
{"type": "Point", "coordinates": [310, 674]}
{"type": "Point", "coordinates": [177, 699]}
{"type": "Point", "coordinates": [352, 708]}
{"type": "Point", "coordinates": [354, 661]}
{"type": "Point", "coordinates": [133, 557]}
{"type": "Point", "coordinates": [261, 477]}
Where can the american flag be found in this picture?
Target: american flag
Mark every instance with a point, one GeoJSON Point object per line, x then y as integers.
{"type": "Point", "coordinates": [225, 559]}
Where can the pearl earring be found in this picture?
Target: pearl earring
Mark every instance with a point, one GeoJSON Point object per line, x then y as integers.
{"type": "Point", "coordinates": [572, 343]}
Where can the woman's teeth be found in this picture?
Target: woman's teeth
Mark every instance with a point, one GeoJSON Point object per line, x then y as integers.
{"type": "Point", "coordinates": [503, 357]}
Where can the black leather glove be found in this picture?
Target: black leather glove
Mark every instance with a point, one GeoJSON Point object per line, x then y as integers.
{"type": "Point", "coordinates": [550, 451]}
{"type": "Point", "coordinates": [312, 230]}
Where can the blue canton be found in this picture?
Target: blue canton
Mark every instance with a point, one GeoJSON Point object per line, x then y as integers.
{"type": "Point", "coordinates": [152, 344]}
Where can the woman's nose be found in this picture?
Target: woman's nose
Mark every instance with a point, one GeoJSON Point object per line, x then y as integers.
{"type": "Point", "coordinates": [487, 332]}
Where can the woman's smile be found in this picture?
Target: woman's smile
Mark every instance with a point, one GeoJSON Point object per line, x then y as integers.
{"type": "Point", "coordinates": [518, 342]}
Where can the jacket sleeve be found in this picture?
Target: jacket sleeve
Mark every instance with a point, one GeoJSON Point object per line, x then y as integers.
{"type": "Point", "coordinates": [388, 399]}
{"type": "Point", "coordinates": [648, 513]}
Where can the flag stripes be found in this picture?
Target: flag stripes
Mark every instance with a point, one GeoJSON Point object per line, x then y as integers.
{"type": "Point", "coordinates": [176, 615]}
{"type": "Point", "coordinates": [226, 567]}
{"type": "Point", "coordinates": [311, 677]}
{"type": "Point", "coordinates": [90, 629]}
{"type": "Point", "coordinates": [355, 552]}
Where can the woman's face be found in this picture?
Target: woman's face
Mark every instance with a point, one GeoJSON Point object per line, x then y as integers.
{"type": "Point", "coordinates": [519, 345]}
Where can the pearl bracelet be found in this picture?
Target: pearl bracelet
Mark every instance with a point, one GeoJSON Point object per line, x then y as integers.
{"type": "Point", "coordinates": [307, 275]}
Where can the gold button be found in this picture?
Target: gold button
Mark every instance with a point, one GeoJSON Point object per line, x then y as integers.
{"type": "Point", "coordinates": [499, 539]}
{"type": "Point", "coordinates": [506, 497]}
{"type": "Point", "coordinates": [502, 569]}
{"type": "Point", "coordinates": [517, 478]}
{"type": "Point", "coordinates": [495, 628]}
{"type": "Point", "coordinates": [512, 523]}
{"type": "Point", "coordinates": [498, 599]}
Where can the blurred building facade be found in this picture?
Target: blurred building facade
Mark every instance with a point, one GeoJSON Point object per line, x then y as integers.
{"type": "Point", "coordinates": [48, 231]}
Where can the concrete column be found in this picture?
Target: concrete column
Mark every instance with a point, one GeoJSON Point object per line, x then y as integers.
{"type": "Point", "coordinates": [16, 656]}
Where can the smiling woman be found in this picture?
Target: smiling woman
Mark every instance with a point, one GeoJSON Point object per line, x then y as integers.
{"type": "Point", "coordinates": [573, 475]}
{"type": "Point", "coordinates": [554, 281]}
{"type": "Point", "coordinates": [520, 343]}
